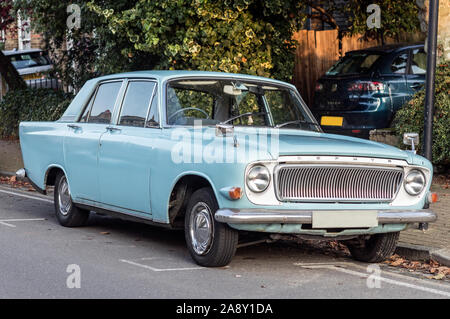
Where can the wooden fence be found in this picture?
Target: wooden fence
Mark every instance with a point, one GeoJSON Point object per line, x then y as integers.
{"type": "Point", "coordinates": [317, 51]}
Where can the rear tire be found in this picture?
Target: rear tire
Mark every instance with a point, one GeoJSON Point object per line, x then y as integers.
{"type": "Point", "coordinates": [67, 213]}
{"type": "Point", "coordinates": [376, 249]}
{"type": "Point", "coordinates": [210, 243]}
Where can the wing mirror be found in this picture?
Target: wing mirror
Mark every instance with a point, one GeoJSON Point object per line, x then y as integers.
{"type": "Point", "coordinates": [411, 139]}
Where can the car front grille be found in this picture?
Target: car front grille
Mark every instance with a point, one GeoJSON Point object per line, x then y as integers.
{"type": "Point", "coordinates": [337, 183]}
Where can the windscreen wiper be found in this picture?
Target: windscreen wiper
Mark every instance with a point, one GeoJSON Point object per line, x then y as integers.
{"type": "Point", "coordinates": [296, 122]}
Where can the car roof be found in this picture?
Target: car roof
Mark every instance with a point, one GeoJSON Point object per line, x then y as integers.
{"type": "Point", "coordinates": [164, 75]}
{"type": "Point", "coordinates": [12, 52]}
{"type": "Point", "coordinates": [388, 48]}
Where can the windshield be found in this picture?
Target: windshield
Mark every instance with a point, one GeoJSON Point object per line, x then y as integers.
{"type": "Point", "coordinates": [240, 103]}
{"type": "Point", "coordinates": [29, 60]}
{"type": "Point", "coordinates": [355, 63]}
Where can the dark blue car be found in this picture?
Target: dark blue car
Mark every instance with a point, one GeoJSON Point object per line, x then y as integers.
{"type": "Point", "coordinates": [365, 88]}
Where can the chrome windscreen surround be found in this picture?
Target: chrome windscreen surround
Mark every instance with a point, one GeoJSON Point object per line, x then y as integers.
{"type": "Point", "coordinates": [337, 182]}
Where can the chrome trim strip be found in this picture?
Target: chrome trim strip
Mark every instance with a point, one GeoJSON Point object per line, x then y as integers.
{"type": "Point", "coordinates": [267, 216]}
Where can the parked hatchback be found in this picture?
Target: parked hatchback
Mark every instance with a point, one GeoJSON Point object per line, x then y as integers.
{"type": "Point", "coordinates": [365, 88]}
{"type": "Point", "coordinates": [33, 65]}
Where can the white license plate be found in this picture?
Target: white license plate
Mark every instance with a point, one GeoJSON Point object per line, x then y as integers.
{"type": "Point", "coordinates": [347, 219]}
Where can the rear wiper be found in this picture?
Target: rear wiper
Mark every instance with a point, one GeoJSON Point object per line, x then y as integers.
{"type": "Point", "coordinates": [242, 115]}
{"type": "Point", "coordinates": [296, 122]}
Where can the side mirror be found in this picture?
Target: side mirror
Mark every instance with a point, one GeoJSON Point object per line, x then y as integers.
{"type": "Point", "coordinates": [411, 139]}
{"type": "Point", "coordinates": [224, 130]}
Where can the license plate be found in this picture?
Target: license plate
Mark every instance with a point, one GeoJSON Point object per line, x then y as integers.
{"type": "Point", "coordinates": [348, 219]}
{"type": "Point", "coordinates": [332, 120]}
{"type": "Point", "coordinates": [33, 76]}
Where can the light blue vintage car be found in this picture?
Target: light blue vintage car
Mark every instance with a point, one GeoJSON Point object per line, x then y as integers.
{"type": "Point", "coordinates": [220, 154]}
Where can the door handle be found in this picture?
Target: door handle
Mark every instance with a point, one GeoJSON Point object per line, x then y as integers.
{"type": "Point", "coordinates": [113, 129]}
{"type": "Point", "coordinates": [73, 126]}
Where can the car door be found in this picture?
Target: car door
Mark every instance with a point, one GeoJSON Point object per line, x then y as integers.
{"type": "Point", "coordinates": [417, 71]}
{"type": "Point", "coordinates": [395, 78]}
{"type": "Point", "coordinates": [126, 152]}
{"type": "Point", "coordinates": [82, 140]}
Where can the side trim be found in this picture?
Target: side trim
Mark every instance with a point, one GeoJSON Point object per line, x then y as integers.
{"type": "Point", "coordinates": [124, 216]}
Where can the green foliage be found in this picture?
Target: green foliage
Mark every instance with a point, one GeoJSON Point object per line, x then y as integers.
{"type": "Point", "coordinates": [410, 118]}
{"type": "Point", "coordinates": [30, 105]}
{"type": "Point", "coordinates": [238, 36]}
{"type": "Point", "coordinates": [242, 36]}
{"type": "Point", "coordinates": [396, 17]}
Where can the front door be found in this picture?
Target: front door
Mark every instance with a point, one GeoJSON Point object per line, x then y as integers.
{"type": "Point", "coordinates": [82, 141]}
{"type": "Point", "coordinates": [126, 152]}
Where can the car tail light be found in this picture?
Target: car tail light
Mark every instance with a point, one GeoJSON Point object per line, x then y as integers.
{"type": "Point", "coordinates": [319, 86]}
{"type": "Point", "coordinates": [366, 86]}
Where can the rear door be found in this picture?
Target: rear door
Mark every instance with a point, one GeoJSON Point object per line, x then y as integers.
{"type": "Point", "coordinates": [82, 140]}
{"type": "Point", "coordinates": [126, 152]}
{"type": "Point", "coordinates": [417, 71]}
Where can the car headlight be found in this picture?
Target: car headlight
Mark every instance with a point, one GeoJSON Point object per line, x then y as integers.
{"type": "Point", "coordinates": [414, 182]}
{"type": "Point", "coordinates": [258, 178]}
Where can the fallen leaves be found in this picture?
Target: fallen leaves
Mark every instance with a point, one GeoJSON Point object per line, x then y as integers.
{"type": "Point", "coordinates": [14, 183]}
{"type": "Point", "coordinates": [437, 271]}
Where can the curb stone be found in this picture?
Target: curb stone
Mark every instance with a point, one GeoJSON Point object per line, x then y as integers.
{"type": "Point", "coordinates": [442, 256]}
{"type": "Point", "coordinates": [424, 253]}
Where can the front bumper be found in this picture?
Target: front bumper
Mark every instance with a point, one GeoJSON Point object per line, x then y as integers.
{"type": "Point", "coordinates": [265, 216]}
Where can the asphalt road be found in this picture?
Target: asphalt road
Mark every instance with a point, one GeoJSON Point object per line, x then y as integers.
{"type": "Point", "coordinates": [120, 259]}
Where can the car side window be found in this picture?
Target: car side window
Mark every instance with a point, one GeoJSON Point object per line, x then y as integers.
{"type": "Point", "coordinates": [103, 103]}
{"type": "Point", "coordinates": [418, 61]}
{"type": "Point", "coordinates": [400, 63]}
{"type": "Point", "coordinates": [136, 103]}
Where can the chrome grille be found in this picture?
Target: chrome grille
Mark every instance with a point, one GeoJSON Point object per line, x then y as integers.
{"type": "Point", "coordinates": [337, 183]}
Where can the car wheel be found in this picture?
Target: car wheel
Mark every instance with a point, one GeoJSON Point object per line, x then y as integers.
{"type": "Point", "coordinates": [376, 249]}
{"type": "Point", "coordinates": [210, 243]}
{"type": "Point", "coordinates": [66, 212]}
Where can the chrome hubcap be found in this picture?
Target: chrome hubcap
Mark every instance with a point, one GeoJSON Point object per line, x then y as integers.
{"type": "Point", "coordinates": [201, 228]}
{"type": "Point", "coordinates": [64, 201]}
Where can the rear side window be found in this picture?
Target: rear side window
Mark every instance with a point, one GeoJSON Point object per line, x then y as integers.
{"type": "Point", "coordinates": [102, 105]}
{"type": "Point", "coordinates": [400, 63]}
{"type": "Point", "coordinates": [418, 61]}
{"type": "Point", "coordinates": [355, 63]}
{"type": "Point", "coordinates": [136, 104]}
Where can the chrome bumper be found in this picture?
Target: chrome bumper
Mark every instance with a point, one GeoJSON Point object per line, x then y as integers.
{"type": "Point", "coordinates": [265, 216]}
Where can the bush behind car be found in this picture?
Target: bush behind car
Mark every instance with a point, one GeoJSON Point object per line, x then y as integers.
{"type": "Point", "coordinates": [410, 118]}
{"type": "Point", "coordinates": [30, 105]}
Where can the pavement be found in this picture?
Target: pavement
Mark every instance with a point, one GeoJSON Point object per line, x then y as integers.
{"type": "Point", "coordinates": [435, 242]}
{"type": "Point", "coordinates": [112, 258]}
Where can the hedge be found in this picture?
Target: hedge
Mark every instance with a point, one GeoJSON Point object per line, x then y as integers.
{"type": "Point", "coordinates": [410, 118]}
{"type": "Point", "coordinates": [30, 105]}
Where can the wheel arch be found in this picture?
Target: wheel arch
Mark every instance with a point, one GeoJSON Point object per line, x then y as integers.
{"type": "Point", "coordinates": [181, 189]}
{"type": "Point", "coordinates": [52, 172]}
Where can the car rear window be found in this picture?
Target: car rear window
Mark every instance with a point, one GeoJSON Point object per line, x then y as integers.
{"type": "Point", "coordinates": [29, 60]}
{"type": "Point", "coordinates": [355, 63]}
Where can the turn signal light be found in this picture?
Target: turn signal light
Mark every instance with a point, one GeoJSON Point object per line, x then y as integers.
{"type": "Point", "coordinates": [235, 193]}
{"type": "Point", "coordinates": [432, 197]}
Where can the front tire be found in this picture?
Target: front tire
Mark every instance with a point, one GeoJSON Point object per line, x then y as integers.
{"type": "Point", "coordinates": [376, 249]}
{"type": "Point", "coordinates": [210, 243]}
{"type": "Point", "coordinates": [67, 213]}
